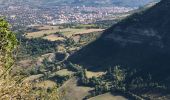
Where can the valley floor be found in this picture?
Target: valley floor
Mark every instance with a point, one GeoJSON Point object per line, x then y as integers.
{"type": "Point", "coordinates": [74, 92]}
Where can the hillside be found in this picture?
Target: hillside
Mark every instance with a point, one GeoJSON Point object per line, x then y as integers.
{"type": "Point", "coordinates": [129, 3]}
{"type": "Point", "coordinates": [141, 41]}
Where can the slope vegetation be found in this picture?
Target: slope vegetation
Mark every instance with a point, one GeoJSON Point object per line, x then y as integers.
{"type": "Point", "coordinates": [141, 41]}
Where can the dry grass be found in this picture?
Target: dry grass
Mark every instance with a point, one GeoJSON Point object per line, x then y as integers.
{"type": "Point", "coordinates": [64, 72]}
{"type": "Point", "coordinates": [33, 78]}
{"type": "Point", "coordinates": [108, 96]}
{"type": "Point", "coordinates": [10, 89]}
{"type": "Point", "coordinates": [49, 56]}
{"type": "Point", "coordinates": [89, 31]}
{"type": "Point", "coordinates": [40, 33]}
{"type": "Point", "coordinates": [25, 63]}
{"type": "Point", "coordinates": [47, 27]}
{"type": "Point", "coordinates": [74, 92]}
{"type": "Point", "coordinates": [46, 84]}
{"type": "Point", "coordinates": [53, 37]}
{"type": "Point", "coordinates": [90, 74]}
{"type": "Point", "coordinates": [48, 30]}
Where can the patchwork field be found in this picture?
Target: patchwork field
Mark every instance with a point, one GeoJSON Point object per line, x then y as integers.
{"type": "Point", "coordinates": [73, 91]}
{"type": "Point", "coordinates": [108, 96]}
{"type": "Point", "coordinates": [48, 30]}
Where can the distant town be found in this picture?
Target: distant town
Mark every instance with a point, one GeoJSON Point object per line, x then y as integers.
{"type": "Point", "coordinates": [19, 14]}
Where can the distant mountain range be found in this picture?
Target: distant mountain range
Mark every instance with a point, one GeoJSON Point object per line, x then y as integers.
{"type": "Point", "coordinates": [131, 3]}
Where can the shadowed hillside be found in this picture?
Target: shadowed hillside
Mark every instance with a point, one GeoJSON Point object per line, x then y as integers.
{"type": "Point", "coordinates": [141, 41]}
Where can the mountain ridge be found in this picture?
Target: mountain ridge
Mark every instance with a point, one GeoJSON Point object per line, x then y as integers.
{"type": "Point", "coordinates": [140, 41]}
{"type": "Point", "coordinates": [129, 3]}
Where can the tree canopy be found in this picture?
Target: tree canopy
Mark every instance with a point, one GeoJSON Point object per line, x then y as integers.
{"type": "Point", "coordinates": [8, 42]}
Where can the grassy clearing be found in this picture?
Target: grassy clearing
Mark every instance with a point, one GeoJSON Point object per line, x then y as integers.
{"type": "Point", "coordinates": [46, 84]}
{"type": "Point", "coordinates": [73, 91]}
{"type": "Point", "coordinates": [48, 30]}
{"type": "Point", "coordinates": [25, 63]}
{"type": "Point", "coordinates": [40, 33]}
{"type": "Point", "coordinates": [47, 27]}
{"type": "Point", "coordinates": [64, 72]}
{"type": "Point", "coordinates": [90, 74]}
{"type": "Point", "coordinates": [85, 25]}
{"type": "Point", "coordinates": [53, 37]}
{"type": "Point", "coordinates": [108, 96]}
{"type": "Point", "coordinates": [33, 78]}
{"type": "Point", "coordinates": [89, 31]}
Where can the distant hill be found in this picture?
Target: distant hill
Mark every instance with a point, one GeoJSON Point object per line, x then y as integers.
{"type": "Point", "coordinates": [130, 3]}
{"type": "Point", "coordinates": [133, 3]}
{"type": "Point", "coordinates": [141, 41]}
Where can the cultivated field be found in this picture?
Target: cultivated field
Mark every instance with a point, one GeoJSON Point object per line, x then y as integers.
{"type": "Point", "coordinates": [47, 27]}
{"type": "Point", "coordinates": [73, 91]}
{"type": "Point", "coordinates": [47, 30]}
{"type": "Point", "coordinates": [108, 96]}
